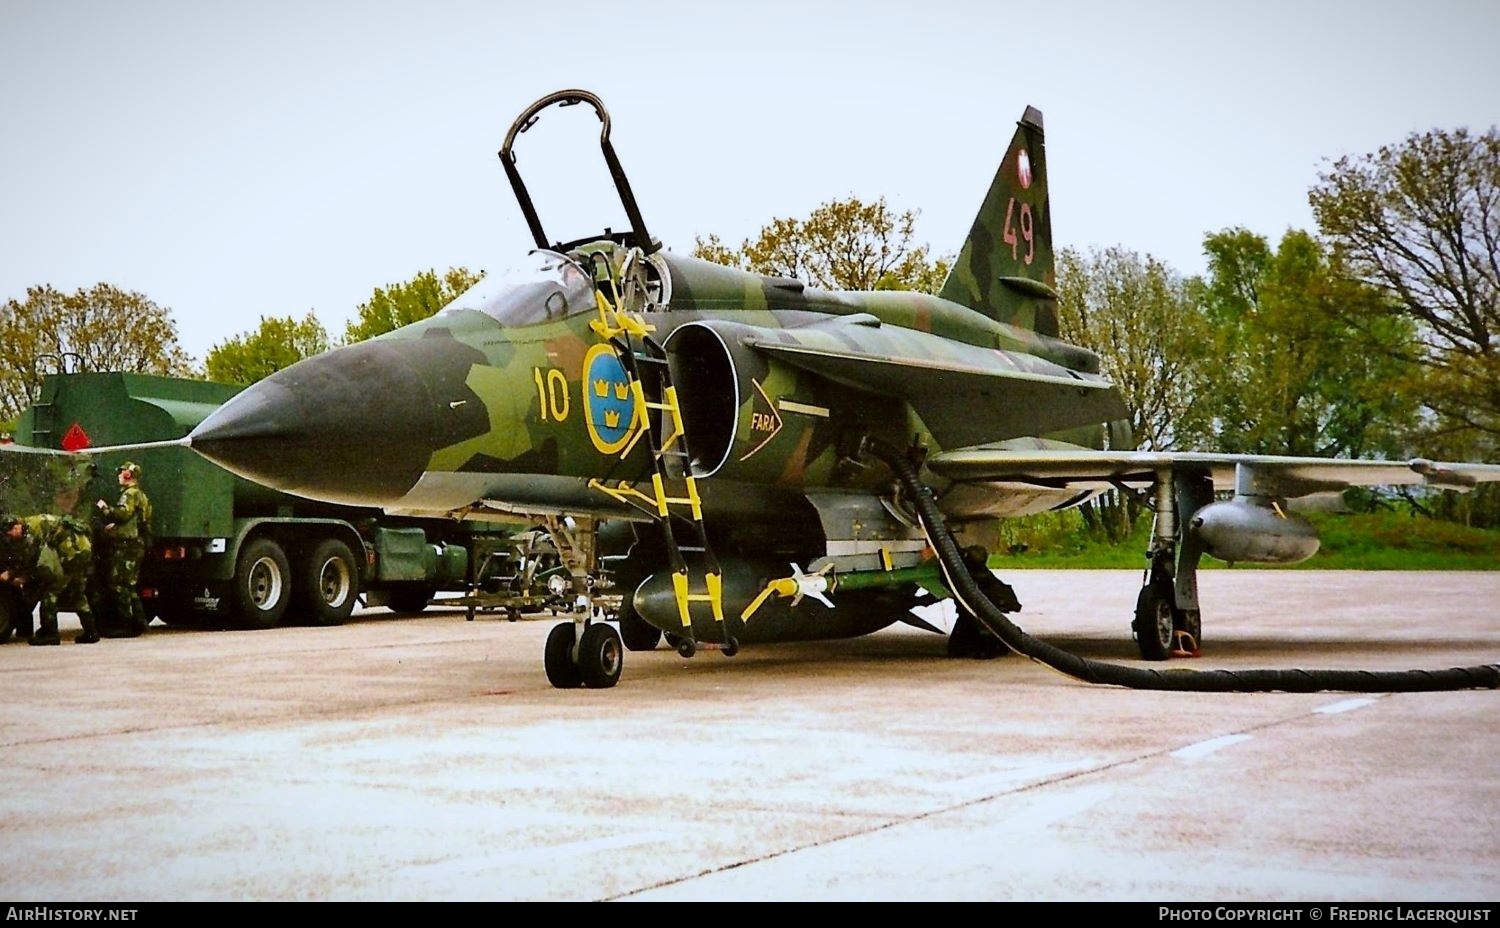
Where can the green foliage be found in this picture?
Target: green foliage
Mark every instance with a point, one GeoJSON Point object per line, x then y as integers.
{"type": "Point", "coordinates": [842, 245]}
{"type": "Point", "coordinates": [1301, 360]}
{"type": "Point", "coordinates": [280, 342]}
{"type": "Point", "coordinates": [102, 328]}
{"type": "Point", "coordinates": [1048, 538]}
{"type": "Point", "coordinates": [1142, 320]}
{"type": "Point", "coordinates": [395, 305]}
{"type": "Point", "coordinates": [1404, 540]}
{"type": "Point", "coordinates": [1420, 220]}
{"type": "Point", "coordinates": [1398, 539]}
{"type": "Point", "coordinates": [1478, 508]}
{"type": "Point", "coordinates": [32, 482]}
{"type": "Point", "coordinates": [921, 275]}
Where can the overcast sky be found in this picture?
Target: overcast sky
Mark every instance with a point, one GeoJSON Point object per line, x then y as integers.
{"type": "Point", "coordinates": [238, 160]}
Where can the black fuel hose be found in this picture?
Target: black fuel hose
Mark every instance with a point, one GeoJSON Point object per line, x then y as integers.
{"type": "Point", "coordinates": [968, 581]}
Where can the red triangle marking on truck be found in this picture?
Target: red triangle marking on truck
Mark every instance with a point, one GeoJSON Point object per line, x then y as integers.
{"type": "Point", "coordinates": [75, 439]}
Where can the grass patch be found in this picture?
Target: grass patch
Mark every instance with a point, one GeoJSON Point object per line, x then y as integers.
{"type": "Point", "coordinates": [1376, 541]}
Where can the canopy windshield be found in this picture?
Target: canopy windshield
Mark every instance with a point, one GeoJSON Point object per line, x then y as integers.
{"type": "Point", "coordinates": [549, 288]}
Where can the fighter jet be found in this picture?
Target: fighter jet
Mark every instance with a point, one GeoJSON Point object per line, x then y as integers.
{"type": "Point", "coordinates": [731, 459]}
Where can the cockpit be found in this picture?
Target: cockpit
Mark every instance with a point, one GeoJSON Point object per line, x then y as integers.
{"type": "Point", "coordinates": [549, 288]}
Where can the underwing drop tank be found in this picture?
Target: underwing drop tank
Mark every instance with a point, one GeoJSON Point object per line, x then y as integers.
{"type": "Point", "coordinates": [1248, 529]}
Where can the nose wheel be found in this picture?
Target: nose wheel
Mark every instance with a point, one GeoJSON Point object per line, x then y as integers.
{"type": "Point", "coordinates": [557, 658]}
{"type": "Point", "coordinates": [593, 659]}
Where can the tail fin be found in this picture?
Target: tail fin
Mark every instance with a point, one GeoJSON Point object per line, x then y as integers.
{"type": "Point", "coordinates": [1005, 269]}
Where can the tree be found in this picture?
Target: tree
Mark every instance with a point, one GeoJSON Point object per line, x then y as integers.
{"type": "Point", "coordinates": [1420, 220]}
{"type": "Point", "coordinates": [102, 328]}
{"type": "Point", "coordinates": [280, 342]}
{"type": "Point", "coordinates": [1303, 360]}
{"type": "Point", "coordinates": [395, 305]}
{"type": "Point", "coordinates": [843, 245]}
{"type": "Point", "coordinates": [1141, 319]}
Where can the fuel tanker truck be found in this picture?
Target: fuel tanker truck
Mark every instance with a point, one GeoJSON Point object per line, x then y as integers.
{"type": "Point", "coordinates": [223, 551]}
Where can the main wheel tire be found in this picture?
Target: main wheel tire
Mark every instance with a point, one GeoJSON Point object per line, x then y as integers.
{"type": "Point", "coordinates": [328, 584]}
{"type": "Point", "coordinates": [636, 632]}
{"type": "Point", "coordinates": [601, 656]}
{"type": "Point", "coordinates": [1155, 621]}
{"type": "Point", "coordinates": [261, 584]}
{"type": "Point", "coordinates": [410, 598]}
{"type": "Point", "coordinates": [557, 658]}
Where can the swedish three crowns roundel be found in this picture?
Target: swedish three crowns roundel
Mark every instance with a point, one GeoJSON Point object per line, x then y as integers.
{"type": "Point", "coordinates": [608, 401]}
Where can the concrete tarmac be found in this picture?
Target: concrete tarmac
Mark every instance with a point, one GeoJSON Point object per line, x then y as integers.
{"type": "Point", "coordinates": [426, 758]}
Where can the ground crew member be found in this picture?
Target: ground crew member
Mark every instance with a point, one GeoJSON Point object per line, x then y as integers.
{"type": "Point", "coordinates": [17, 554]}
{"type": "Point", "coordinates": [127, 525]}
{"type": "Point", "coordinates": [58, 559]}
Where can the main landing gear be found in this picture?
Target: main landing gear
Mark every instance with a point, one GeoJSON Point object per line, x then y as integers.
{"type": "Point", "coordinates": [970, 637]}
{"type": "Point", "coordinates": [968, 584]}
{"type": "Point", "coordinates": [1168, 622]}
{"type": "Point", "coordinates": [593, 659]}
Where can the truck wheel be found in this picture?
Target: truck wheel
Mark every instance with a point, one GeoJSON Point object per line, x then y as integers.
{"type": "Point", "coordinates": [328, 584]}
{"type": "Point", "coordinates": [410, 598]}
{"type": "Point", "coordinates": [261, 584]}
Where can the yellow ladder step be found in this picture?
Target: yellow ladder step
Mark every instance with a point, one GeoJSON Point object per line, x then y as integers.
{"type": "Point", "coordinates": [714, 596]}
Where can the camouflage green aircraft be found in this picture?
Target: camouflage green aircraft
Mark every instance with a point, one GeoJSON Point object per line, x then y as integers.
{"type": "Point", "coordinates": [704, 444]}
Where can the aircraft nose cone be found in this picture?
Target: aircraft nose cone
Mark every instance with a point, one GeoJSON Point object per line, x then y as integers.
{"type": "Point", "coordinates": [352, 426]}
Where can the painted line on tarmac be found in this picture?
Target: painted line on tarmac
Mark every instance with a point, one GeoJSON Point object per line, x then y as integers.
{"type": "Point", "coordinates": [1205, 748]}
{"type": "Point", "coordinates": [1022, 791]}
{"type": "Point", "coordinates": [1043, 812]}
{"type": "Point", "coordinates": [1345, 705]}
{"type": "Point", "coordinates": [1004, 781]}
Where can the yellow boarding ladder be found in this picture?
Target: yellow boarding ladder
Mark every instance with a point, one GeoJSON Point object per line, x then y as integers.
{"type": "Point", "coordinates": [659, 418]}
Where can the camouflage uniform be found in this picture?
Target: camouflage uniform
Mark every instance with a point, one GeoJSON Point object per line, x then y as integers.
{"type": "Point", "coordinates": [128, 521]}
{"type": "Point", "coordinates": [18, 552]}
{"type": "Point", "coordinates": [99, 589]}
{"type": "Point", "coordinates": [64, 558]}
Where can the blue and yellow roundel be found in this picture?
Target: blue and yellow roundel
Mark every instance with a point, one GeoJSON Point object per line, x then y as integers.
{"type": "Point", "coordinates": [608, 403]}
